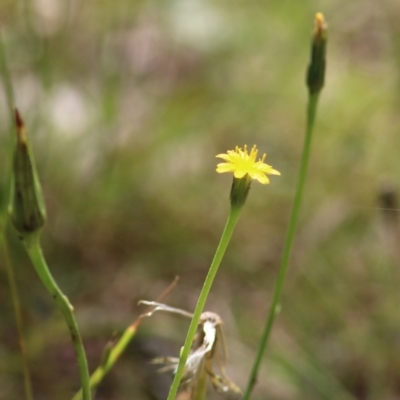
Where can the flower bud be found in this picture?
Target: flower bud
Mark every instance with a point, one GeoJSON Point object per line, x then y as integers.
{"type": "Point", "coordinates": [316, 67]}
{"type": "Point", "coordinates": [239, 191]}
{"type": "Point", "coordinates": [26, 209]}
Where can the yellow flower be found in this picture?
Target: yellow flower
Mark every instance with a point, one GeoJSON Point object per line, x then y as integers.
{"type": "Point", "coordinates": [241, 163]}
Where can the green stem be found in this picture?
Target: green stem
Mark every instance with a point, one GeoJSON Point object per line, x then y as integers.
{"type": "Point", "coordinates": [294, 217]}
{"type": "Point", "coordinates": [113, 356]}
{"type": "Point", "coordinates": [18, 317]}
{"type": "Point", "coordinates": [223, 244]}
{"type": "Point", "coordinates": [34, 250]}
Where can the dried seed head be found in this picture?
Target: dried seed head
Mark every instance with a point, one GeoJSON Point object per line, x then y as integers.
{"type": "Point", "coordinates": [208, 352]}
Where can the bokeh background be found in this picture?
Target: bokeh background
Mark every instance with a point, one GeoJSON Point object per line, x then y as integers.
{"type": "Point", "coordinates": [127, 103]}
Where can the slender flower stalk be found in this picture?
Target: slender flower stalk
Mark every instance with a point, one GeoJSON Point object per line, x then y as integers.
{"type": "Point", "coordinates": [32, 245]}
{"type": "Point", "coordinates": [244, 167]}
{"type": "Point", "coordinates": [315, 82]}
{"type": "Point", "coordinates": [223, 244]}
{"type": "Point", "coordinates": [28, 215]}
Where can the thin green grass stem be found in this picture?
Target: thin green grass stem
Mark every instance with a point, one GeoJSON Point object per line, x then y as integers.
{"type": "Point", "coordinates": [110, 360]}
{"type": "Point", "coordinates": [114, 350]}
{"type": "Point", "coordinates": [294, 217]}
{"type": "Point", "coordinates": [222, 246]}
{"type": "Point", "coordinates": [35, 253]}
{"type": "Point", "coordinates": [18, 317]}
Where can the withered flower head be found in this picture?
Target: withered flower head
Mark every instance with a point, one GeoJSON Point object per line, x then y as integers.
{"type": "Point", "coordinates": [208, 354]}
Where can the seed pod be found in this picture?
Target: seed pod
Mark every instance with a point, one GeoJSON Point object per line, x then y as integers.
{"type": "Point", "coordinates": [26, 209]}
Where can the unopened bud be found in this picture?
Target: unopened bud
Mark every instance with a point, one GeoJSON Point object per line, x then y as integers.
{"type": "Point", "coordinates": [316, 67]}
{"type": "Point", "coordinates": [27, 210]}
{"type": "Point", "coordinates": [239, 191]}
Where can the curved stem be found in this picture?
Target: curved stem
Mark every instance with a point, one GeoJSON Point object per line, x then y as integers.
{"type": "Point", "coordinates": [113, 356]}
{"type": "Point", "coordinates": [294, 216]}
{"type": "Point", "coordinates": [223, 244]}
{"type": "Point", "coordinates": [34, 250]}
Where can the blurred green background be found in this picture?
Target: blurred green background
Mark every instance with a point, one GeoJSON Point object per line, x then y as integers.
{"type": "Point", "coordinates": [127, 103]}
